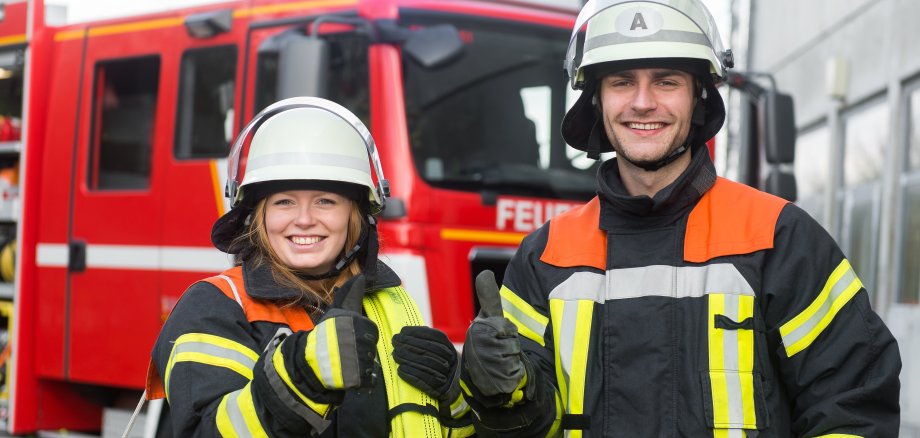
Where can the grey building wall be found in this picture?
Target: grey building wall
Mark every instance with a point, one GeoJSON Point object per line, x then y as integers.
{"type": "Point", "coordinates": [794, 39]}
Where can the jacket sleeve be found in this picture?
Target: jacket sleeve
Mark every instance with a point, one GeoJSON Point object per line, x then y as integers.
{"type": "Point", "coordinates": [525, 302]}
{"type": "Point", "coordinates": [836, 358]}
{"type": "Point", "coordinates": [218, 381]}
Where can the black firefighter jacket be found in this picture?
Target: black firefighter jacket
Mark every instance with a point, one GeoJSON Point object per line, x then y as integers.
{"type": "Point", "coordinates": [710, 310]}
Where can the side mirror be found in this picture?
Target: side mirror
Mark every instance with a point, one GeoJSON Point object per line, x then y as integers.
{"type": "Point", "coordinates": [781, 183]}
{"type": "Point", "coordinates": [779, 117]}
{"type": "Point", "coordinates": [303, 66]}
{"type": "Point", "coordinates": [434, 46]}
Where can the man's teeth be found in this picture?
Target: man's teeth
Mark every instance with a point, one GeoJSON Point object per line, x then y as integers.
{"type": "Point", "coordinates": [645, 126]}
{"type": "Point", "coordinates": [305, 240]}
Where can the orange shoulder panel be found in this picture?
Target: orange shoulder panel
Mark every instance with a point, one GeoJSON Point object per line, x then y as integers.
{"type": "Point", "coordinates": [259, 310]}
{"type": "Point", "coordinates": [731, 219]}
{"type": "Point", "coordinates": [575, 238]}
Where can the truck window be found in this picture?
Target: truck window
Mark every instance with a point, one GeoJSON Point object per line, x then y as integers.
{"type": "Point", "coordinates": [204, 113]}
{"type": "Point", "coordinates": [490, 120]}
{"type": "Point", "coordinates": [124, 106]}
{"type": "Point", "coordinates": [348, 80]}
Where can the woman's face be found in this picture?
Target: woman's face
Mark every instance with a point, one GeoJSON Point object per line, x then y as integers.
{"type": "Point", "coordinates": [307, 228]}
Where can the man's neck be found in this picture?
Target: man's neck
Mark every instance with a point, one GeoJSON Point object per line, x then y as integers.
{"type": "Point", "coordinates": [639, 181]}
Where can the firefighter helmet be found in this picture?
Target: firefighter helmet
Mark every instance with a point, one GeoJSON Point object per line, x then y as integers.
{"type": "Point", "coordinates": [613, 35]}
{"type": "Point", "coordinates": [301, 142]}
{"type": "Point", "coordinates": [305, 138]}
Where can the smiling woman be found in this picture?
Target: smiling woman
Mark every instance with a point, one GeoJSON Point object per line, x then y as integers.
{"type": "Point", "coordinates": [310, 331]}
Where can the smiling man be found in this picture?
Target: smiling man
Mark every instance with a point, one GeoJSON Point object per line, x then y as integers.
{"type": "Point", "coordinates": [675, 303]}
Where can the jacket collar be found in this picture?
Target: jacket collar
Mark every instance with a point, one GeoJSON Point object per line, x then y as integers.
{"type": "Point", "coordinates": [619, 209]}
{"type": "Point", "coordinates": [260, 283]}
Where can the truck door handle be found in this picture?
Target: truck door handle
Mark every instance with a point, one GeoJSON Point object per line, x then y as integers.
{"type": "Point", "coordinates": [76, 259]}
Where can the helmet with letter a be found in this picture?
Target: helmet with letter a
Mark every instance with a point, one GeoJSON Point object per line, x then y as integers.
{"type": "Point", "coordinates": [617, 35]}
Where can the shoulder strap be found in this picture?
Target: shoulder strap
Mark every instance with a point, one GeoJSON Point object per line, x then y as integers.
{"type": "Point", "coordinates": [391, 309]}
{"type": "Point", "coordinates": [731, 219]}
{"type": "Point", "coordinates": [575, 238]}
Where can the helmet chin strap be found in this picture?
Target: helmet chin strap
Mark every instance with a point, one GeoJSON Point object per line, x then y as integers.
{"type": "Point", "coordinates": [367, 238]}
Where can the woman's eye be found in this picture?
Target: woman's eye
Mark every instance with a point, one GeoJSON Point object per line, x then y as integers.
{"type": "Point", "coordinates": [325, 201]}
{"type": "Point", "coordinates": [283, 202]}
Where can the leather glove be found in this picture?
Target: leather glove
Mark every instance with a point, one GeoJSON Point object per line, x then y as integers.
{"type": "Point", "coordinates": [428, 361]}
{"type": "Point", "coordinates": [341, 350]}
{"type": "Point", "coordinates": [493, 367]}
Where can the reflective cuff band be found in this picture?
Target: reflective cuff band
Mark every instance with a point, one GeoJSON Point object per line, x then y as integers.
{"type": "Point", "coordinates": [236, 415]}
{"type": "Point", "coordinates": [729, 433]}
{"type": "Point", "coordinates": [572, 335]}
{"type": "Point", "coordinates": [802, 330]}
{"type": "Point", "coordinates": [530, 323]}
{"type": "Point", "coordinates": [322, 353]}
{"type": "Point", "coordinates": [280, 381]}
{"type": "Point", "coordinates": [211, 350]}
{"type": "Point", "coordinates": [459, 407]}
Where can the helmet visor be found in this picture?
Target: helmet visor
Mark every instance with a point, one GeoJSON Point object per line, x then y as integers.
{"type": "Point", "coordinates": [692, 9]}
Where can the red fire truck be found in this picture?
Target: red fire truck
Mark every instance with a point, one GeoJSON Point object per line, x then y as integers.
{"type": "Point", "coordinates": [113, 144]}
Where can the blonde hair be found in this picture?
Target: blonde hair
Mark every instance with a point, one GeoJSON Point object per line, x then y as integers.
{"type": "Point", "coordinates": [313, 292]}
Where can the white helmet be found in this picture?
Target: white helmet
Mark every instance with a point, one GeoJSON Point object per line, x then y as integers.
{"type": "Point", "coordinates": [310, 139]}
{"type": "Point", "coordinates": [623, 30]}
{"type": "Point", "coordinates": [615, 35]}
{"type": "Point", "coordinates": [304, 142]}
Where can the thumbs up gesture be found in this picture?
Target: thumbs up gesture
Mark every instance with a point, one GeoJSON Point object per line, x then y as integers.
{"type": "Point", "coordinates": [493, 366]}
{"type": "Point", "coordinates": [341, 349]}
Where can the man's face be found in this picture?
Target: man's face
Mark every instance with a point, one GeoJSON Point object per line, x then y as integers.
{"type": "Point", "coordinates": [647, 112]}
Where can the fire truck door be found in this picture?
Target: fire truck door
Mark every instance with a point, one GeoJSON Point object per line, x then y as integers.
{"type": "Point", "coordinates": [115, 230]}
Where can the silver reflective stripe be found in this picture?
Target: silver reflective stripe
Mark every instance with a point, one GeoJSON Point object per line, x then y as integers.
{"type": "Point", "coordinates": [322, 354]}
{"type": "Point", "coordinates": [668, 36]}
{"type": "Point", "coordinates": [298, 158]}
{"type": "Point", "coordinates": [655, 280]}
{"type": "Point", "coordinates": [236, 417]}
{"type": "Point", "coordinates": [839, 287]}
{"type": "Point", "coordinates": [236, 294]}
{"type": "Point", "coordinates": [214, 350]}
{"type": "Point", "coordinates": [280, 388]}
{"type": "Point", "coordinates": [730, 363]}
{"type": "Point", "coordinates": [523, 318]}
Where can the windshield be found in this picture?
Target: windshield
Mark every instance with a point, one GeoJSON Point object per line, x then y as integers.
{"type": "Point", "coordinates": [490, 120]}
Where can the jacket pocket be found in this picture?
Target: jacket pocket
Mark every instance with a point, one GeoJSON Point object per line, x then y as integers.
{"type": "Point", "coordinates": [733, 393]}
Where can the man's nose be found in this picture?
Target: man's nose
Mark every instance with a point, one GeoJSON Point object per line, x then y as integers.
{"type": "Point", "coordinates": [644, 99]}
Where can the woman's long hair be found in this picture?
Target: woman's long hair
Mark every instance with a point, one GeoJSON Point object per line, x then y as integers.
{"type": "Point", "coordinates": [313, 292]}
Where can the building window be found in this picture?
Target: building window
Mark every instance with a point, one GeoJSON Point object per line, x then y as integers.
{"type": "Point", "coordinates": [124, 107]}
{"type": "Point", "coordinates": [204, 125]}
{"type": "Point", "coordinates": [910, 231]}
{"type": "Point", "coordinates": [864, 156]}
{"type": "Point", "coordinates": [812, 169]}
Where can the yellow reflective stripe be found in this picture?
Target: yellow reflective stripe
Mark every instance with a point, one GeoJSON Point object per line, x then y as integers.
{"type": "Point", "coordinates": [571, 336]}
{"type": "Point", "coordinates": [466, 389]}
{"type": "Point", "coordinates": [731, 363]}
{"type": "Point", "coordinates": [746, 360]}
{"type": "Point", "coordinates": [212, 350]}
{"type": "Point", "coordinates": [236, 415]}
{"type": "Point", "coordinates": [310, 351]}
{"type": "Point", "coordinates": [224, 426]}
{"type": "Point", "coordinates": [335, 361]}
{"type": "Point", "coordinates": [391, 309]}
{"type": "Point", "coordinates": [557, 422]}
{"type": "Point", "coordinates": [248, 411]}
{"type": "Point", "coordinates": [717, 361]}
{"type": "Point", "coordinates": [530, 323]}
{"type": "Point", "coordinates": [729, 433]}
{"type": "Point", "coordinates": [805, 327]}
{"type": "Point", "coordinates": [278, 363]}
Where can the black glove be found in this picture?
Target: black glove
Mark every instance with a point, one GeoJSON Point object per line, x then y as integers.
{"type": "Point", "coordinates": [493, 366]}
{"type": "Point", "coordinates": [428, 361]}
{"type": "Point", "coordinates": [355, 342]}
